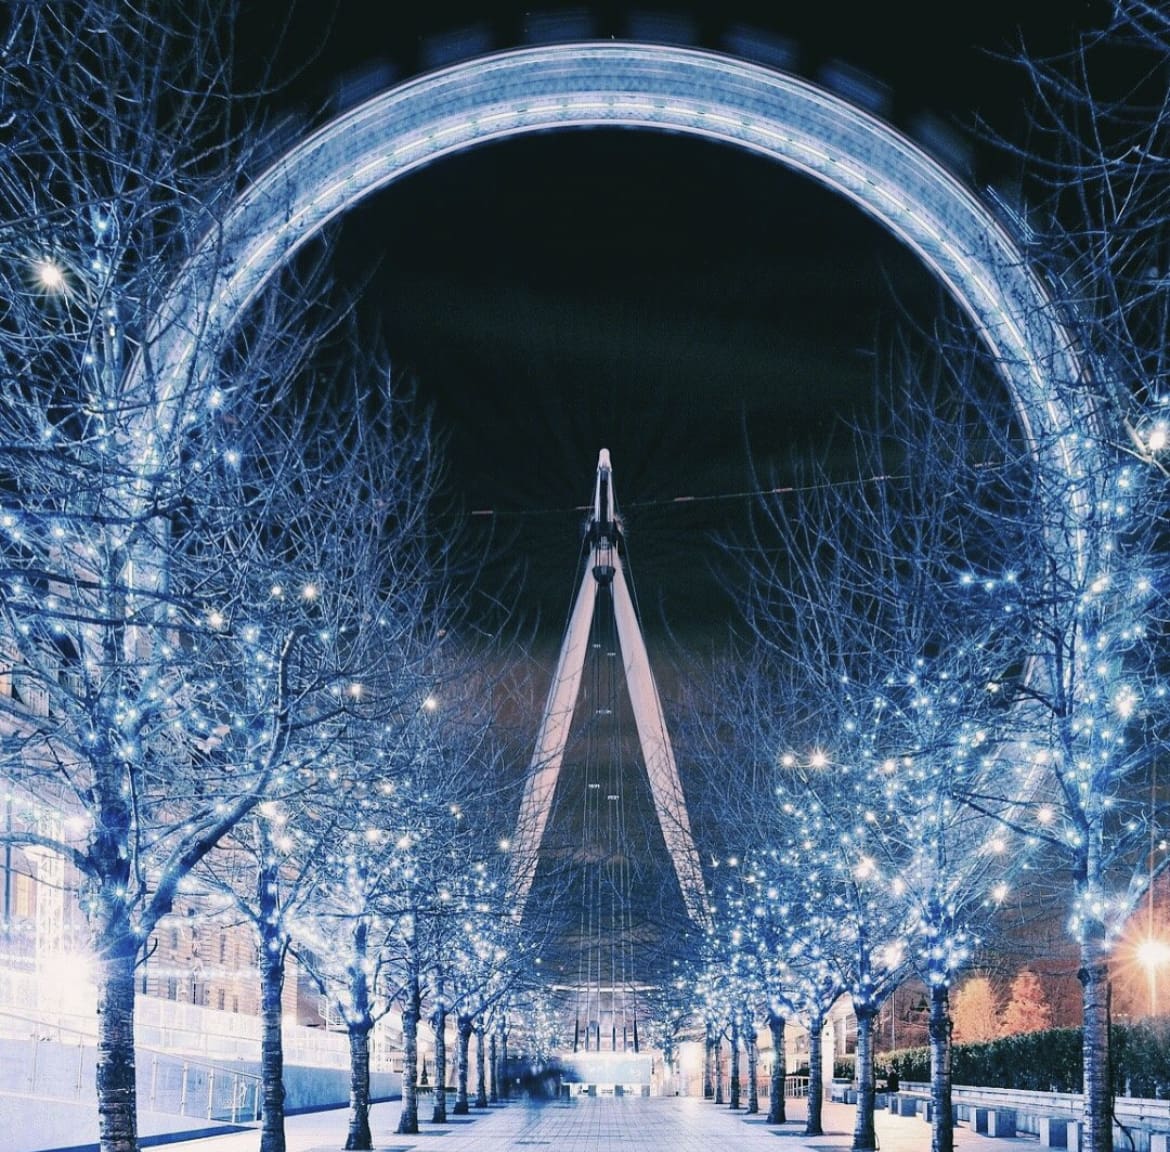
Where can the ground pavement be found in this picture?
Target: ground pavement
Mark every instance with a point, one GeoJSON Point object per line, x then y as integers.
{"type": "Point", "coordinates": [608, 1124]}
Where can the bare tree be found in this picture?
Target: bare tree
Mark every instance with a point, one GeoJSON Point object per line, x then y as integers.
{"type": "Point", "coordinates": [120, 613]}
{"type": "Point", "coordinates": [873, 695]}
{"type": "Point", "coordinates": [976, 1016]}
{"type": "Point", "coordinates": [670, 1018]}
{"type": "Point", "coordinates": [482, 965]}
{"type": "Point", "coordinates": [349, 547]}
{"type": "Point", "coordinates": [785, 960]}
{"type": "Point", "coordinates": [363, 940]}
{"type": "Point", "coordinates": [714, 1007]}
{"type": "Point", "coordinates": [1093, 217]}
{"type": "Point", "coordinates": [381, 931]}
{"type": "Point", "coordinates": [1027, 1008]}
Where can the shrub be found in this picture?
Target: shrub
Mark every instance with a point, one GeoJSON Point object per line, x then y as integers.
{"type": "Point", "coordinates": [1048, 1061]}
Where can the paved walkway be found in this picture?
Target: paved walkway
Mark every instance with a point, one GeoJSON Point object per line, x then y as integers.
{"type": "Point", "coordinates": [608, 1124]}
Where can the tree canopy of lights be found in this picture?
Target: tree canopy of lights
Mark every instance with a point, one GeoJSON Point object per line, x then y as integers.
{"type": "Point", "coordinates": [970, 645]}
{"type": "Point", "coordinates": [193, 607]}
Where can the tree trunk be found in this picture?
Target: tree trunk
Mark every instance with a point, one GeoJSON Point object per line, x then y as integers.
{"type": "Point", "coordinates": [271, 1022]}
{"type": "Point", "coordinates": [942, 1122]}
{"type": "Point", "coordinates": [462, 1104]}
{"type": "Point", "coordinates": [359, 1089]}
{"type": "Point", "coordinates": [1098, 1107]}
{"type": "Point", "coordinates": [864, 1136]}
{"type": "Point", "coordinates": [719, 1069]}
{"type": "Point", "coordinates": [749, 1045]}
{"type": "Point", "coordinates": [708, 1065]}
{"type": "Point", "coordinates": [816, 1082]}
{"type": "Point", "coordinates": [481, 1099]}
{"type": "Point", "coordinates": [733, 1102]}
{"type": "Point", "coordinates": [116, 1093]}
{"type": "Point", "coordinates": [776, 1104]}
{"type": "Point", "coordinates": [408, 1120]}
{"type": "Point", "coordinates": [495, 1070]}
{"type": "Point", "coordinates": [359, 1024]}
{"type": "Point", "coordinates": [439, 1023]}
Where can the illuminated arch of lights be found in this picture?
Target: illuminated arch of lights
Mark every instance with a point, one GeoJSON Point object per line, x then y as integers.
{"type": "Point", "coordinates": [688, 91]}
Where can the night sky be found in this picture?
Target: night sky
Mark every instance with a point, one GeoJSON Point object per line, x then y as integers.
{"type": "Point", "coordinates": [693, 309]}
{"type": "Point", "coordinates": [705, 315]}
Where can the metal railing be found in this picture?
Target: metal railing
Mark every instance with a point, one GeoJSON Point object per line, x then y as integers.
{"type": "Point", "coordinates": [197, 1032]}
{"type": "Point", "coordinates": [190, 1088]}
{"type": "Point", "coordinates": [57, 1063]}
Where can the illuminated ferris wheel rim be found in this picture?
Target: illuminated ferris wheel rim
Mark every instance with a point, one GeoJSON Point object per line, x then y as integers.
{"type": "Point", "coordinates": [688, 91]}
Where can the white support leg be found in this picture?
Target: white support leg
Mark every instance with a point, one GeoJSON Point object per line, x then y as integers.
{"type": "Point", "coordinates": [545, 766]}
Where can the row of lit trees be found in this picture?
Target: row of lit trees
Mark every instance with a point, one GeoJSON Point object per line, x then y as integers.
{"type": "Point", "coordinates": [227, 603]}
{"type": "Point", "coordinates": [933, 730]}
{"type": "Point", "coordinates": [379, 877]}
{"type": "Point", "coordinates": [954, 672]}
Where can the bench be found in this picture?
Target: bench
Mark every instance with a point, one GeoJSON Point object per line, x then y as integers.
{"type": "Point", "coordinates": [907, 1103]}
{"type": "Point", "coordinates": [923, 1106]}
{"type": "Point", "coordinates": [995, 1121]}
{"type": "Point", "coordinates": [1063, 1132]}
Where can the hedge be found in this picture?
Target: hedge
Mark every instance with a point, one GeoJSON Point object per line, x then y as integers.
{"type": "Point", "coordinates": [1048, 1061]}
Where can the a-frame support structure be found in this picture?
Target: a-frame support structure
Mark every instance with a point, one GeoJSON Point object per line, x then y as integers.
{"type": "Point", "coordinates": [602, 564]}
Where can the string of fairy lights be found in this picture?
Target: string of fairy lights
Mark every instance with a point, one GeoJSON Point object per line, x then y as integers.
{"type": "Point", "coordinates": [906, 790]}
{"type": "Point", "coordinates": [891, 871]}
{"type": "Point", "coordinates": [895, 901]}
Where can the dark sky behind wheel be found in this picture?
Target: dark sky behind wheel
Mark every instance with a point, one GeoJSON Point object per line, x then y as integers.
{"type": "Point", "coordinates": [693, 309]}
